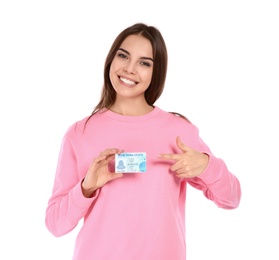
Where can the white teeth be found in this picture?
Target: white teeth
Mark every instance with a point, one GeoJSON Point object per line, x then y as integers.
{"type": "Point", "coordinates": [129, 82]}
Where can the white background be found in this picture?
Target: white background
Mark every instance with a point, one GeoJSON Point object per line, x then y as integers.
{"type": "Point", "coordinates": [223, 75]}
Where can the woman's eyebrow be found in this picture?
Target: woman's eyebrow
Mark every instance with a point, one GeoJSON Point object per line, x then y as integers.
{"type": "Point", "coordinates": [145, 58]}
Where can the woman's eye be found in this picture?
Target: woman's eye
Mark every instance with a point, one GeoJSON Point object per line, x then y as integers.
{"type": "Point", "coordinates": [144, 63]}
{"type": "Point", "coordinates": [122, 55]}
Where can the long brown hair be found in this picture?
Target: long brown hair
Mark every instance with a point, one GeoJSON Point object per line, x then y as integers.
{"type": "Point", "coordinates": [160, 61]}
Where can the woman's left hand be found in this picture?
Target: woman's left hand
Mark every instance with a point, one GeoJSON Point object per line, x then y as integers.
{"type": "Point", "coordinates": [190, 163]}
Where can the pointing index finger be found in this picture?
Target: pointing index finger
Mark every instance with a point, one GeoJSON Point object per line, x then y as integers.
{"type": "Point", "coordinates": [168, 156]}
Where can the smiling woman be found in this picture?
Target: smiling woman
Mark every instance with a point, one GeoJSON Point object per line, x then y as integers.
{"type": "Point", "coordinates": [131, 74]}
{"type": "Point", "coordinates": [139, 213]}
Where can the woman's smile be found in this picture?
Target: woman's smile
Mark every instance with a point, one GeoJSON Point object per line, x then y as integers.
{"type": "Point", "coordinates": [128, 82]}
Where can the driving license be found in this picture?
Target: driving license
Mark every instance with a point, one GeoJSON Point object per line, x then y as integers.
{"type": "Point", "coordinates": [130, 162]}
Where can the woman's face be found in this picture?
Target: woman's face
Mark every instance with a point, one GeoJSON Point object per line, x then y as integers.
{"type": "Point", "coordinates": [132, 67]}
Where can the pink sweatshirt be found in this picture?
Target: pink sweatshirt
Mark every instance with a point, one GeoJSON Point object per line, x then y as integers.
{"type": "Point", "coordinates": [142, 215]}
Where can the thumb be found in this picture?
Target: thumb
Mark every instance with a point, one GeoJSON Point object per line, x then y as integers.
{"type": "Point", "coordinates": [116, 176]}
{"type": "Point", "coordinates": [184, 148]}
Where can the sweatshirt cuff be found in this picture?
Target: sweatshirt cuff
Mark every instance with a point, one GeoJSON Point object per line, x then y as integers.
{"type": "Point", "coordinates": [79, 200]}
{"type": "Point", "coordinates": [213, 169]}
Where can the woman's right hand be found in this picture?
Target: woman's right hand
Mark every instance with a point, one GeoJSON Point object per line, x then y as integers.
{"type": "Point", "coordinates": [98, 173]}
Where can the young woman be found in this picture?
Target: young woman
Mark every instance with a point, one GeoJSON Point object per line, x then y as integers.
{"type": "Point", "coordinates": [139, 214]}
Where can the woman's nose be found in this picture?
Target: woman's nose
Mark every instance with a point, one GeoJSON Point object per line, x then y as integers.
{"type": "Point", "coordinates": [130, 68]}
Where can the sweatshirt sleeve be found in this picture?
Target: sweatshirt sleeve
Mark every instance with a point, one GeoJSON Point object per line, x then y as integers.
{"type": "Point", "coordinates": [67, 205]}
{"type": "Point", "coordinates": [216, 182]}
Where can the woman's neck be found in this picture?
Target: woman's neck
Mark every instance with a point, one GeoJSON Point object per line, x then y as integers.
{"type": "Point", "coordinates": [132, 109]}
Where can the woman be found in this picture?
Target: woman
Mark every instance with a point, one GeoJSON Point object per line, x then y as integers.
{"type": "Point", "coordinates": [133, 215]}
